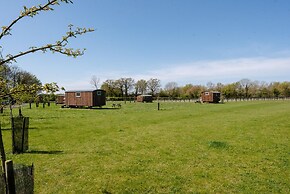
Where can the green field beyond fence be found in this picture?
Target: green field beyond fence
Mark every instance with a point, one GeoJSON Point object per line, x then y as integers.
{"type": "Point", "coordinates": [236, 147]}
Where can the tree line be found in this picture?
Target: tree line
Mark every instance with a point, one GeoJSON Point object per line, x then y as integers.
{"type": "Point", "coordinates": [243, 89]}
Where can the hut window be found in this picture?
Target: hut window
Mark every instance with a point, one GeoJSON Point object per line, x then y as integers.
{"type": "Point", "coordinates": [78, 94]}
{"type": "Point", "coordinates": [206, 93]}
{"type": "Point", "coordinates": [99, 93]}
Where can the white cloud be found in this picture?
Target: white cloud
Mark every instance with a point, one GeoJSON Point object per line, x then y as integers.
{"type": "Point", "coordinates": [201, 72]}
{"type": "Point", "coordinates": [234, 69]}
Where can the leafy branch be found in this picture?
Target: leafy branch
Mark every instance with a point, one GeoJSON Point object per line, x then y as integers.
{"type": "Point", "coordinates": [30, 12]}
{"type": "Point", "coordinates": [58, 47]}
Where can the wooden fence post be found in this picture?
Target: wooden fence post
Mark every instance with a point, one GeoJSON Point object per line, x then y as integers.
{"type": "Point", "coordinates": [3, 158]}
{"type": "Point", "coordinates": [10, 176]}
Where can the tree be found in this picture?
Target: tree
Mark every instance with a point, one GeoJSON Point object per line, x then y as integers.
{"type": "Point", "coordinates": [125, 85]}
{"type": "Point", "coordinates": [245, 85]}
{"type": "Point", "coordinates": [274, 88]}
{"type": "Point", "coordinates": [128, 85]}
{"type": "Point", "coordinates": [172, 89]}
{"type": "Point", "coordinates": [140, 87]}
{"type": "Point", "coordinates": [285, 89]}
{"type": "Point", "coordinates": [153, 85]}
{"type": "Point", "coordinates": [185, 91]}
{"type": "Point", "coordinates": [230, 91]}
{"type": "Point", "coordinates": [194, 91]}
{"type": "Point", "coordinates": [95, 82]}
{"type": "Point", "coordinates": [110, 87]}
{"type": "Point", "coordinates": [210, 86]}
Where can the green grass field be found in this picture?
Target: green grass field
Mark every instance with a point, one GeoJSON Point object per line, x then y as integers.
{"type": "Point", "coordinates": [237, 147]}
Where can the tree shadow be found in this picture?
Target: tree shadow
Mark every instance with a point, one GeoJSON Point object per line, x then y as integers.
{"type": "Point", "coordinates": [44, 152]}
{"type": "Point", "coordinates": [5, 129]}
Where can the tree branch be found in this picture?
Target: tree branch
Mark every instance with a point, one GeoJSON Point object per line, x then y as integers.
{"type": "Point", "coordinates": [29, 12]}
{"type": "Point", "coordinates": [59, 46]}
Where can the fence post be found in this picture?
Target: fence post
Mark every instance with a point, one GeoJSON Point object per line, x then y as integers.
{"type": "Point", "coordinates": [2, 153]}
{"type": "Point", "coordinates": [158, 106]}
{"type": "Point", "coordinates": [10, 176]}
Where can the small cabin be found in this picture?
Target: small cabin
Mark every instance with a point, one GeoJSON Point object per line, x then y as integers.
{"type": "Point", "coordinates": [87, 98]}
{"type": "Point", "coordinates": [144, 98]}
{"type": "Point", "coordinates": [59, 99]}
{"type": "Point", "coordinates": [211, 97]}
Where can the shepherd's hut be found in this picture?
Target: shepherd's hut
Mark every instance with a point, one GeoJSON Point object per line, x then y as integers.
{"type": "Point", "coordinates": [144, 98]}
{"type": "Point", "coordinates": [85, 98]}
{"type": "Point", "coordinates": [211, 97]}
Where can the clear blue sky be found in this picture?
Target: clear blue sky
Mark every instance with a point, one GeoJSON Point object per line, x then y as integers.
{"type": "Point", "coordinates": [185, 41]}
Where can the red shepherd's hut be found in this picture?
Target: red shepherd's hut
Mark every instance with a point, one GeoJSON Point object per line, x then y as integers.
{"type": "Point", "coordinates": [89, 98]}
{"type": "Point", "coordinates": [144, 98]}
{"type": "Point", "coordinates": [211, 97]}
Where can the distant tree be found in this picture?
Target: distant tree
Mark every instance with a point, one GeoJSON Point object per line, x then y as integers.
{"type": "Point", "coordinates": [95, 82]}
{"type": "Point", "coordinates": [153, 85]}
{"type": "Point", "coordinates": [185, 91]}
{"type": "Point", "coordinates": [110, 86]}
{"type": "Point", "coordinates": [172, 89]}
{"type": "Point", "coordinates": [125, 85]}
{"type": "Point", "coordinates": [245, 85]}
{"type": "Point", "coordinates": [210, 86]}
{"type": "Point", "coordinates": [264, 90]}
{"type": "Point", "coordinates": [230, 91]}
{"type": "Point", "coordinates": [274, 87]}
{"type": "Point", "coordinates": [128, 85]}
{"type": "Point", "coordinates": [140, 87]}
{"type": "Point", "coordinates": [285, 89]}
{"type": "Point", "coordinates": [219, 86]}
{"type": "Point", "coordinates": [120, 86]}
{"type": "Point", "coordinates": [195, 91]}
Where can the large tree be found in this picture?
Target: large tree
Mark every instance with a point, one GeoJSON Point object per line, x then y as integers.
{"type": "Point", "coordinates": [153, 85]}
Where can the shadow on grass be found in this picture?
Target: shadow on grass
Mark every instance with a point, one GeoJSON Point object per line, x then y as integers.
{"type": "Point", "coordinates": [5, 129]}
{"type": "Point", "coordinates": [218, 144]}
{"type": "Point", "coordinates": [44, 152]}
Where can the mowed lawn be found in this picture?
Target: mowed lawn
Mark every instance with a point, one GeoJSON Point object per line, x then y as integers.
{"type": "Point", "coordinates": [236, 147]}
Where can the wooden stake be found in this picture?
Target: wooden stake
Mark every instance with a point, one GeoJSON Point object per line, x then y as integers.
{"type": "Point", "coordinates": [3, 158]}
{"type": "Point", "coordinates": [10, 176]}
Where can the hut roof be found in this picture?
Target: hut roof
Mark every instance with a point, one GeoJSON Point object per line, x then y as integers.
{"type": "Point", "coordinates": [84, 90]}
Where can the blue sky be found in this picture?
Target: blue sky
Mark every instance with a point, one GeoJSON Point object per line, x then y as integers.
{"type": "Point", "coordinates": [185, 41]}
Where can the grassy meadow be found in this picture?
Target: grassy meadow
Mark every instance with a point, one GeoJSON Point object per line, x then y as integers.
{"type": "Point", "coordinates": [236, 147]}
